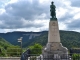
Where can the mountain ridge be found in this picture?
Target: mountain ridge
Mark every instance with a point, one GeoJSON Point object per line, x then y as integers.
{"type": "Point", "coordinates": [12, 37]}
{"type": "Point", "coordinates": [70, 38]}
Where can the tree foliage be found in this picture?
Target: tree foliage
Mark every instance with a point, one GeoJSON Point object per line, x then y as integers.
{"type": "Point", "coordinates": [36, 49]}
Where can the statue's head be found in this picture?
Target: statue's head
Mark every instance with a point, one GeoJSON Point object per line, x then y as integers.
{"type": "Point", "coordinates": [52, 2]}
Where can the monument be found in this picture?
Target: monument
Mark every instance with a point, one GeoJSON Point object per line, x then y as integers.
{"type": "Point", "coordinates": [54, 49]}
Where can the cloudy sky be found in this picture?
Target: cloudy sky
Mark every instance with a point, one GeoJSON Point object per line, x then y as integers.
{"type": "Point", "coordinates": [34, 15]}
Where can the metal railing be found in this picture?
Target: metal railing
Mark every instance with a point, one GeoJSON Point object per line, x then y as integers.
{"type": "Point", "coordinates": [73, 56]}
{"type": "Point", "coordinates": [52, 57]}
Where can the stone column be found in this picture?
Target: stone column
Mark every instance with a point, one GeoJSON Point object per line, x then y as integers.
{"type": "Point", "coordinates": [53, 35]}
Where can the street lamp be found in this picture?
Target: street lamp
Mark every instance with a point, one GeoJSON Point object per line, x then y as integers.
{"type": "Point", "coordinates": [20, 40]}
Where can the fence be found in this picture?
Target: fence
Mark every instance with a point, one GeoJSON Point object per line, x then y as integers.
{"type": "Point", "coordinates": [12, 53]}
{"type": "Point", "coordinates": [74, 56]}
{"type": "Point", "coordinates": [53, 57]}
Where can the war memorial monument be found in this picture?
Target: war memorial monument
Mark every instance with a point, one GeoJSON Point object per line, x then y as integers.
{"type": "Point", "coordinates": [54, 48]}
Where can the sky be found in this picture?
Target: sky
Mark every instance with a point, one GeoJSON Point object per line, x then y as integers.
{"type": "Point", "coordinates": [34, 15]}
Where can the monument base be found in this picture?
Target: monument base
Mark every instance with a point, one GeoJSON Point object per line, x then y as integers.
{"type": "Point", "coordinates": [55, 50]}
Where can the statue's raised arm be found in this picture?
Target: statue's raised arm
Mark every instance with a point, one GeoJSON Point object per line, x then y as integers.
{"type": "Point", "coordinates": [52, 10]}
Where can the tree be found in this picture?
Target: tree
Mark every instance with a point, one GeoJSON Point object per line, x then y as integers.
{"type": "Point", "coordinates": [36, 49]}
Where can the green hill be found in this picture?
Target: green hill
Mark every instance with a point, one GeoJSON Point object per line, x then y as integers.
{"type": "Point", "coordinates": [4, 44]}
{"type": "Point", "coordinates": [7, 49]}
{"type": "Point", "coordinates": [69, 39]}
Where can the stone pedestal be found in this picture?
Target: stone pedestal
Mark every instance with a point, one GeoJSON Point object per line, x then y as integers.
{"type": "Point", "coordinates": [53, 35]}
{"type": "Point", "coordinates": [54, 49]}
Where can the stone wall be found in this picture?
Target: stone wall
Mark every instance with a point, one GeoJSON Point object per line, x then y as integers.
{"type": "Point", "coordinates": [9, 58]}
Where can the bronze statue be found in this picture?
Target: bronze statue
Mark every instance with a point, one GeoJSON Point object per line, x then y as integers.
{"type": "Point", "coordinates": [52, 10]}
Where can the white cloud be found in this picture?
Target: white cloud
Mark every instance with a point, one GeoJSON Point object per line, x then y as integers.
{"type": "Point", "coordinates": [12, 1]}
{"type": "Point", "coordinates": [62, 26]}
{"type": "Point", "coordinates": [77, 16]}
{"type": "Point", "coordinates": [61, 12]}
{"type": "Point", "coordinates": [2, 11]}
{"type": "Point", "coordinates": [33, 15]}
